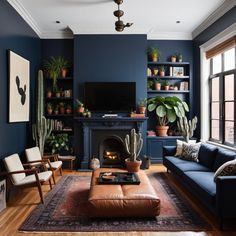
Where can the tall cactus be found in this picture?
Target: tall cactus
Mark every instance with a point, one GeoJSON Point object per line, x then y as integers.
{"type": "Point", "coordinates": [43, 127]}
{"type": "Point", "coordinates": [133, 144]}
{"type": "Point", "coordinates": [187, 127]}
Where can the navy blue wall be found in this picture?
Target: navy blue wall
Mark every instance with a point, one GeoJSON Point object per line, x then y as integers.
{"type": "Point", "coordinates": [114, 58]}
{"type": "Point", "coordinates": [225, 21]}
{"type": "Point", "coordinates": [56, 48]}
{"type": "Point", "coordinates": [17, 36]}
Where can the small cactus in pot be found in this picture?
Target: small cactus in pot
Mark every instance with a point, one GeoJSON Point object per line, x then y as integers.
{"type": "Point", "coordinates": [133, 146]}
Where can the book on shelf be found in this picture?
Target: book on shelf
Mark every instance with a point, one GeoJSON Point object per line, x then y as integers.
{"type": "Point", "coordinates": [183, 86]}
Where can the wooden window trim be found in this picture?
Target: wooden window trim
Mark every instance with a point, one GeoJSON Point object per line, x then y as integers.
{"type": "Point", "coordinates": [222, 47]}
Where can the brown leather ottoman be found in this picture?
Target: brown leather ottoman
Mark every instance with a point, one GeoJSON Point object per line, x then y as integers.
{"type": "Point", "coordinates": [123, 200]}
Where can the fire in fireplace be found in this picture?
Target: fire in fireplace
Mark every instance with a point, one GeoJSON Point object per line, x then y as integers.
{"type": "Point", "coordinates": [112, 152]}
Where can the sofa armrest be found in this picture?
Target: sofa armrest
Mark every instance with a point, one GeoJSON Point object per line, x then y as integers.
{"type": "Point", "coordinates": [225, 196]}
{"type": "Point", "coordinates": [169, 150]}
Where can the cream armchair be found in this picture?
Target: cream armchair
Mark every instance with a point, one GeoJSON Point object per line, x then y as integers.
{"type": "Point", "coordinates": [20, 177]}
{"type": "Point", "coordinates": [33, 155]}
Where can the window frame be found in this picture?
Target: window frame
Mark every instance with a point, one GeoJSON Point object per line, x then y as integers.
{"type": "Point", "coordinates": [221, 75]}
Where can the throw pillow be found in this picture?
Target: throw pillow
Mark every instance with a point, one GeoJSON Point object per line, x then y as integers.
{"type": "Point", "coordinates": [179, 146]}
{"type": "Point", "coordinates": [228, 168]}
{"type": "Point", "coordinates": [207, 155]}
{"type": "Point", "coordinates": [190, 151]}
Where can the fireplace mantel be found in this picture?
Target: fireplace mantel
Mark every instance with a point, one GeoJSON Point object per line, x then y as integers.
{"type": "Point", "coordinates": [89, 126]}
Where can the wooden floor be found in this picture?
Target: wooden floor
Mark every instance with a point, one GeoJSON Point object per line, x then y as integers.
{"type": "Point", "coordinates": [23, 202]}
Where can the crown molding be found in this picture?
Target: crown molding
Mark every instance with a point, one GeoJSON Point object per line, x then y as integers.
{"type": "Point", "coordinates": [57, 35]}
{"type": "Point", "coordinates": [219, 12]}
{"type": "Point", "coordinates": [169, 36]}
{"type": "Point", "coordinates": [25, 15]}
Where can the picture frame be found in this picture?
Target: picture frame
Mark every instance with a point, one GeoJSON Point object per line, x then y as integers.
{"type": "Point", "coordinates": [178, 71]}
{"type": "Point", "coordinates": [19, 88]}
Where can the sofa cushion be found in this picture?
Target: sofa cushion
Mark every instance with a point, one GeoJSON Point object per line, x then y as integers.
{"type": "Point", "coordinates": [180, 166]}
{"type": "Point", "coordinates": [190, 151]}
{"type": "Point", "coordinates": [223, 156]}
{"type": "Point", "coordinates": [228, 168]}
{"type": "Point", "coordinates": [207, 155]}
{"type": "Point", "coordinates": [202, 184]}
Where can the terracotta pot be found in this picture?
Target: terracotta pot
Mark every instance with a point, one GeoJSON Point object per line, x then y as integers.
{"type": "Point", "coordinates": [173, 59]}
{"type": "Point", "coordinates": [63, 73]}
{"type": "Point", "coordinates": [80, 109]}
{"type": "Point", "coordinates": [133, 166]}
{"type": "Point", "coordinates": [162, 130]}
{"type": "Point", "coordinates": [68, 110]}
{"type": "Point", "coordinates": [162, 73]}
{"type": "Point", "coordinates": [49, 94]}
{"type": "Point", "coordinates": [58, 95]}
{"type": "Point", "coordinates": [142, 109]}
{"type": "Point", "coordinates": [158, 86]}
{"type": "Point", "coordinates": [49, 111]}
{"type": "Point", "coordinates": [154, 58]}
{"type": "Point", "coordinates": [166, 87]}
{"type": "Point", "coordinates": [62, 110]}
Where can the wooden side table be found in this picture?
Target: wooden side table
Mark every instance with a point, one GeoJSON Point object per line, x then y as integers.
{"type": "Point", "coordinates": [69, 159]}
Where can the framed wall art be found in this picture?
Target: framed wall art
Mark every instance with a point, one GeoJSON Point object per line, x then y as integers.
{"type": "Point", "coordinates": [178, 71]}
{"type": "Point", "coordinates": [19, 84]}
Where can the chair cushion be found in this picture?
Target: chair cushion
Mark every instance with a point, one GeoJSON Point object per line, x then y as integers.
{"type": "Point", "coordinates": [55, 164]}
{"type": "Point", "coordinates": [228, 168]}
{"type": "Point", "coordinates": [33, 154]}
{"type": "Point", "coordinates": [13, 163]}
{"type": "Point", "coordinates": [43, 176]}
{"type": "Point", "coordinates": [207, 155]}
{"type": "Point", "coordinates": [223, 156]}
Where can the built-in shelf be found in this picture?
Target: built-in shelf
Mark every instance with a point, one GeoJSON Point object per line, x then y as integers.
{"type": "Point", "coordinates": [59, 98]}
{"type": "Point", "coordinates": [62, 131]}
{"type": "Point", "coordinates": [166, 137]}
{"type": "Point", "coordinates": [59, 115]}
{"type": "Point", "coordinates": [64, 79]}
{"type": "Point", "coordinates": [168, 63]}
{"type": "Point", "coordinates": [168, 91]}
{"type": "Point", "coordinates": [168, 77]}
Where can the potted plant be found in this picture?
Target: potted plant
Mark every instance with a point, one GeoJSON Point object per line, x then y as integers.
{"type": "Point", "coordinates": [133, 146]}
{"type": "Point", "coordinates": [62, 107]}
{"type": "Point", "coordinates": [58, 92]}
{"type": "Point", "coordinates": [154, 71]}
{"type": "Point", "coordinates": [68, 109]}
{"type": "Point", "coordinates": [52, 69]}
{"type": "Point", "coordinates": [149, 84]}
{"type": "Point", "coordinates": [153, 54]}
{"type": "Point", "coordinates": [166, 85]}
{"type": "Point", "coordinates": [180, 57]}
{"type": "Point", "coordinates": [167, 110]}
{"type": "Point", "coordinates": [80, 106]}
{"type": "Point", "coordinates": [162, 71]}
{"type": "Point", "coordinates": [173, 57]}
{"type": "Point", "coordinates": [142, 105]}
{"type": "Point", "coordinates": [64, 65]}
{"type": "Point", "coordinates": [49, 92]}
{"type": "Point", "coordinates": [49, 108]}
{"type": "Point", "coordinates": [56, 110]}
{"type": "Point", "coordinates": [57, 143]}
{"type": "Point", "coordinates": [158, 84]}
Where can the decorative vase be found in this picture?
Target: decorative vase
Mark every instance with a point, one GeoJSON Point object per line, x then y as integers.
{"type": "Point", "coordinates": [162, 130]}
{"type": "Point", "coordinates": [133, 166]}
{"type": "Point", "coordinates": [94, 163]}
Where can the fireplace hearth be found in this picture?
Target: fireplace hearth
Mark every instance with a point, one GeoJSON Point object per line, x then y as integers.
{"type": "Point", "coordinates": [112, 151]}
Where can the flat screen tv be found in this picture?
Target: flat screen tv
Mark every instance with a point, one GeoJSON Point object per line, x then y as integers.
{"type": "Point", "coordinates": [110, 97]}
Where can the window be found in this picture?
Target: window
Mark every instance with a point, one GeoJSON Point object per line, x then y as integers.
{"type": "Point", "coordinates": [222, 97]}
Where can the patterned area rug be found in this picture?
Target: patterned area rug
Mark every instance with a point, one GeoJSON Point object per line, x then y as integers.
{"type": "Point", "coordinates": [65, 210]}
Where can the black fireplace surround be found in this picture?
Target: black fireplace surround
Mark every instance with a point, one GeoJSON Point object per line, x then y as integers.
{"type": "Point", "coordinates": [103, 138]}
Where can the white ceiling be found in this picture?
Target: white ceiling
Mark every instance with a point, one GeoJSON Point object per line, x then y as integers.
{"type": "Point", "coordinates": [156, 18]}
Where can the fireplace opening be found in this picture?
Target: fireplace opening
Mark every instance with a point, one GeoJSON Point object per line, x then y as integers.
{"type": "Point", "coordinates": [112, 152]}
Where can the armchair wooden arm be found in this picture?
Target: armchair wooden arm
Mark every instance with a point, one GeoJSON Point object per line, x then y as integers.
{"type": "Point", "coordinates": [53, 157]}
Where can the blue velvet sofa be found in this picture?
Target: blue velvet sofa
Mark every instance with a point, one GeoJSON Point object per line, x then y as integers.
{"type": "Point", "coordinates": [198, 177]}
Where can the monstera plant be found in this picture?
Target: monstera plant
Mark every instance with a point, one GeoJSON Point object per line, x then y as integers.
{"type": "Point", "coordinates": [167, 110]}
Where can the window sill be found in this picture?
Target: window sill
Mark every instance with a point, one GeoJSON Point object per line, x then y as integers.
{"type": "Point", "coordinates": [222, 146]}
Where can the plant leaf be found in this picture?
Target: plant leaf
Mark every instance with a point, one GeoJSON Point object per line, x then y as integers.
{"type": "Point", "coordinates": [161, 111]}
{"type": "Point", "coordinates": [171, 116]}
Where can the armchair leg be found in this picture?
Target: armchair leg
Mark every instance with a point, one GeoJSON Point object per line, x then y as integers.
{"type": "Point", "coordinates": [50, 183]}
{"type": "Point", "coordinates": [40, 192]}
{"type": "Point", "coordinates": [53, 177]}
{"type": "Point", "coordinates": [61, 170]}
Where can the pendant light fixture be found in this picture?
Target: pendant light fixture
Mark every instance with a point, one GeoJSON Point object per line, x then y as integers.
{"type": "Point", "coordinates": [119, 13]}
